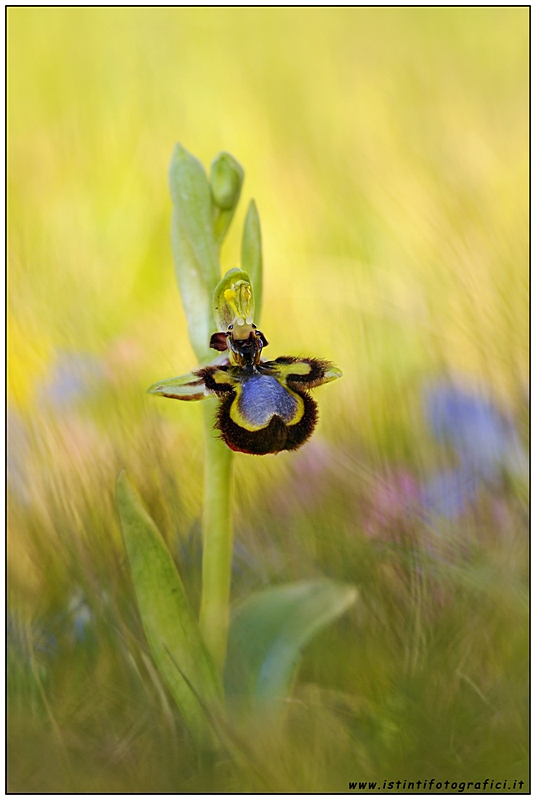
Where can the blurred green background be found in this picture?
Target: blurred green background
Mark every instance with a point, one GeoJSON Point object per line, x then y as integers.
{"type": "Point", "coordinates": [387, 151]}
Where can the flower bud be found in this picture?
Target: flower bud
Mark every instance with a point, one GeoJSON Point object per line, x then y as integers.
{"type": "Point", "coordinates": [226, 177]}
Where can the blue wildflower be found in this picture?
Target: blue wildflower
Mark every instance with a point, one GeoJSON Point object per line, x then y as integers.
{"type": "Point", "coordinates": [483, 438]}
{"type": "Point", "coordinates": [73, 377]}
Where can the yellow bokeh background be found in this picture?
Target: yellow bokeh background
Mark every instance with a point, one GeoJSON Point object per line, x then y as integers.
{"type": "Point", "coordinates": [386, 150]}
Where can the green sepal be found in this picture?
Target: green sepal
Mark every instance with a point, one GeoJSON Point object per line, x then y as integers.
{"type": "Point", "coordinates": [195, 247]}
{"type": "Point", "coordinates": [251, 256]}
{"type": "Point", "coordinates": [226, 179]}
{"type": "Point", "coordinates": [185, 387]}
{"type": "Point", "coordinates": [233, 296]}
{"type": "Point", "coordinates": [267, 634]}
{"type": "Point", "coordinates": [169, 623]}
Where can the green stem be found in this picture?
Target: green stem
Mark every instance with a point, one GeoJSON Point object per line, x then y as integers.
{"type": "Point", "coordinates": [217, 541]}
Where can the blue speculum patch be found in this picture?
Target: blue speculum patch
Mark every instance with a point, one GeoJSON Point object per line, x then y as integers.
{"type": "Point", "coordinates": [262, 397]}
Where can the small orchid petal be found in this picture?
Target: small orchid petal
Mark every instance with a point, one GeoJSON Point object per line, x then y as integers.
{"type": "Point", "coordinates": [332, 374]}
{"type": "Point", "coordinates": [184, 387]}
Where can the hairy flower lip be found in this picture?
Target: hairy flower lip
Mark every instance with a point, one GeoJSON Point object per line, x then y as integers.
{"type": "Point", "coordinates": [263, 408]}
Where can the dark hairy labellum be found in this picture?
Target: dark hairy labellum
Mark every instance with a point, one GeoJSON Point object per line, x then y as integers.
{"type": "Point", "coordinates": [267, 408]}
{"type": "Point", "coordinates": [264, 406]}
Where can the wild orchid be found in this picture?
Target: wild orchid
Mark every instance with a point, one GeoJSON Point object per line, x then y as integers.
{"type": "Point", "coordinates": [264, 406]}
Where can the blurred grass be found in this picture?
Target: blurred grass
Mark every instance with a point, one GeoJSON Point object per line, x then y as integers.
{"type": "Point", "coordinates": [387, 151]}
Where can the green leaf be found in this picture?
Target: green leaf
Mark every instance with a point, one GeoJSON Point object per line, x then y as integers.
{"type": "Point", "coordinates": [195, 248]}
{"type": "Point", "coordinates": [252, 254]}
{"type": "Point", "coordinates": [192, 201]}
{"type": "Point", "coordinates": [226, 178]}
{"type": "Point", "coordinates": [267, 634]}
{"type": "Point", "coordinates": [169, 623]}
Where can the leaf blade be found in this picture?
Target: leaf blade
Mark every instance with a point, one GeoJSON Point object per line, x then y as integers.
{"type": "Point", "coordinates": [268, 632]}
{"type": "Point", "coordinates": [251, 254]}
{"type": "Point", "coordinates": [194, 244]}
{"type": "Point", "coordinates": [169, 623]}
{"type": "Point", "coordinates": [192, 200]}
